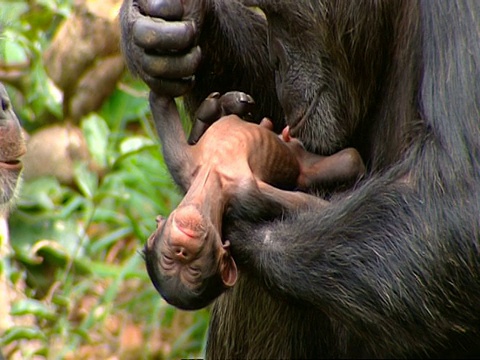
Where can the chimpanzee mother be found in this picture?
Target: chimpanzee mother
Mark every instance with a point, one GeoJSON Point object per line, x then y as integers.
{"type": "Point", "coordinates": [392, 267]}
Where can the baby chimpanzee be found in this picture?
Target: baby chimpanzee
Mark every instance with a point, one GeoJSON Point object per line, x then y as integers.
{"type": "Point", "coordinates": [235, 166]}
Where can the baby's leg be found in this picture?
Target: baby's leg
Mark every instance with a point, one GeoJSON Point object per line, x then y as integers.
{"type": "Point", "coordinates": [317, 171]}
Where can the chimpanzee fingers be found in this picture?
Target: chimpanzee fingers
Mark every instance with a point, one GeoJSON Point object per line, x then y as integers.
{"type": "Point", "coordinates": [198, 129]}
{"type": "Point", "coordinates": [215, 106]}
{"type": "Point", "coordinates": [210, 110]}
{"type": "Point", "coordinates": [166, 72]}
{"type": "Point", "coordinates": [207, 113]}
{"type": "Point", "coordinates": [169, 87]}
{"type": "Point", "coordinates": [161, 35]}
{"type": "Point", "coordinates": [237, 102]}
{"type": "Point", "coordinates": [166, 9]}
{"type": "Point", "coordinates": [171, 66]}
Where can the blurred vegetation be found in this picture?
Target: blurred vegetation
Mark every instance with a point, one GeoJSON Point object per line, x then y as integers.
{"type": "Point", "coordinates": [80, 289]}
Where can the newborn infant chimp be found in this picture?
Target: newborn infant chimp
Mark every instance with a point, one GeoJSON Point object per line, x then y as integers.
{"type": "Point", "coordinates": [235, 166]}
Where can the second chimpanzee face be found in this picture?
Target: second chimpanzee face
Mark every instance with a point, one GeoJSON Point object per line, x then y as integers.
{"type": "Point", "coordinates": [12, 147]}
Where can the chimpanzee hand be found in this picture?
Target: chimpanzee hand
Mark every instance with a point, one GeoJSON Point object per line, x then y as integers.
{"type": "Point", "coordinates": [215, 106]}
{"type": "Point", "coordinates": [159, 42]}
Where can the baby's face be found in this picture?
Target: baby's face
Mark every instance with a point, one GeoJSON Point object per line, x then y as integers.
{"type": "Point", "coordinates": [191, 260]}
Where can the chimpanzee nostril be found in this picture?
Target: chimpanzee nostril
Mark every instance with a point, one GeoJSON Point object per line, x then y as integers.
{"type": "Point", "coordinates": [181, 252]}
{"type": "Point", "coordinates": [5, 104]}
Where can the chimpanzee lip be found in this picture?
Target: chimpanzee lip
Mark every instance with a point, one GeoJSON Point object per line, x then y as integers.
{"type": "Point", "coordinates": [11, 164]}
{"type": "Point", "coordinates": [300, 122]}
{"type": "Point", "coordinates": [14, 163]}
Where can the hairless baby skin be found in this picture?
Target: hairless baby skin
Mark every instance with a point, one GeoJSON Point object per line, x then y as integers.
{"type": "Point", "coordinates": [233, 165]}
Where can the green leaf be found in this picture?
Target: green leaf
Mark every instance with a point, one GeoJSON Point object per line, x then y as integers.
{"type": "Point", "coordinates": [41, 193]}
{"type": "Point", "coordinates": [32, 307]}
{"type": "Point", "coordinates": [86, 180]}
{"type": "Point", "coordinates": [12, 51]}
{"type": "Point", "coordinates": [96, 132]}
{"type": "Point", "coordinates": [135, 144]}
{"type": "Point", "coordinates": [126, 105]}
{"type": "Point", "coordinates": [21, 333]}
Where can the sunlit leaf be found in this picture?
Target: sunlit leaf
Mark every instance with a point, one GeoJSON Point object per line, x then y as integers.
{"type": "Point", "coordinates": [126, 105]}
{"type": "Point", "coordinates": [96, 133]}
{"type": "Point", "coordinates": [12, 51]}
{"type": "Point", "coordinates": [21, 333]}
{"type": "Point", "coordinates": [32, 307]}
{"type": "Point", "coordinates": [41, 193]}
{"type": "Point", "coordinates": [86, 180]}
{"type": "Point", "coordinates": [135, 144]}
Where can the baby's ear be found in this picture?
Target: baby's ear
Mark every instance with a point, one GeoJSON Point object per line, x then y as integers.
{"type": "Point", "coordinates": [228, 267]}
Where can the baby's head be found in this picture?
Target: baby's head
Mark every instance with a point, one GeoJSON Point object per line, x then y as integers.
{"type": "Point", "coordinates": [187, 261]}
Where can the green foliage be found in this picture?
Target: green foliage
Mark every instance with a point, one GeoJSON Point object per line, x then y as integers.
{"type": "Point", "coordinates": [76, 262]}
{"type": "Point", "coordinates": [27, 28]}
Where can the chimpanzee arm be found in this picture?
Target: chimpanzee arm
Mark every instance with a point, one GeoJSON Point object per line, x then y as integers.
{"type": "Point", "coordinates": [385, 260]}
{"type": "Point", "coordinates": [235, 57]}
{"type": "Point", "coordinates": [258, 200]}
{"type": "Point", "coordinates": [163, 42]}
{"type": "Point", "coordinates": [176, 151]}
{"type": "Point", "coordinates": [289, 200]}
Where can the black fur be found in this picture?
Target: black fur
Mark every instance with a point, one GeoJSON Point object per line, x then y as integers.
{"type": "Point", "coordinates": [392, 268]}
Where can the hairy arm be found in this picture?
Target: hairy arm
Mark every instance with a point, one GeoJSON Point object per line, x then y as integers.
{"type": "Point", "coordinates": [386, 260]}
{"type": "Point", "coordinates": [193, 48]}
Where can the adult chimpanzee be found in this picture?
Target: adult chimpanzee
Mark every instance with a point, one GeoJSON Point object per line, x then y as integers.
{"type": "Point", "coordinates": [391, 269]}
